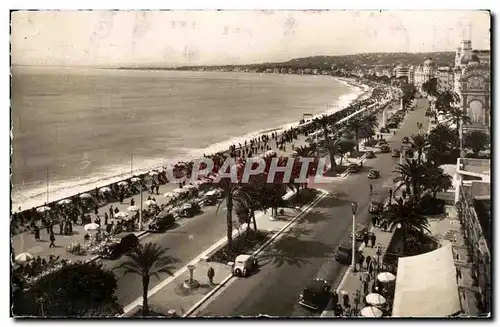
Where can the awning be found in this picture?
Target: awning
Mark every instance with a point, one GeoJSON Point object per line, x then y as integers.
{"type": "Point", "coordinates": [426, 285]}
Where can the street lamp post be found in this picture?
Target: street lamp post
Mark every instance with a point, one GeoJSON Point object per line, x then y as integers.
{"type": "Point", "coordinates": [354, 207]}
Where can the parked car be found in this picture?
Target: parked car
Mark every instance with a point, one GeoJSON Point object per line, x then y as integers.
{"type": "Point", "coordinates": [393, 125]}
{"type": "Point", "coordinates": [382, 142]}
{"type": "Point", "coordinates": [353, 168]}
{"type": "Point", "coordinates": [395, 153]}
{"type": "Point", "coordinates": [210, 198]}
{"type": "Point", "coordinates": [126, 244]}
{"type": "Point", "coordinates": [161, 222]}
{"type": "Point", "coordinates": [406, 140]}
{"type": "Point", "coordinates": [373, 174]}
{"type": "Point", "coordinates": [189, 209]}
{"type": "Point", "coordinates": [360, 232]}
{"type": "Point", "coordinates": [315, 294]}
{"type": "Point", "coordinates": [344, 253]}
{"type": "Point", "coordinates": [369, 155]}
{"type": "Point", "coordinates": [385, 148]}
{"type": "Point", "coordinates": [375, 207]}
{"type": "Point", "coordinates": [243, 265]}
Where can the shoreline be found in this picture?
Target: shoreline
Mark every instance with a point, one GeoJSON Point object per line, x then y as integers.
{"type": "Point", "coordinates": [363, 91]}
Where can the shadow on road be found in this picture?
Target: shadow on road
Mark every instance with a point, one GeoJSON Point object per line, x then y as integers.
{"type": "Point", "coordinates": [290, 249]}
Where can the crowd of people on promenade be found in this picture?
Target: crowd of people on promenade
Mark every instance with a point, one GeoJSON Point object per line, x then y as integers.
{"type": "Point", "coordinates": [78, 209]}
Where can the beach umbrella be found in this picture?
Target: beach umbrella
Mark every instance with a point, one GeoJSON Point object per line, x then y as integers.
{"type": "Point", "coordinates": [122, 183]}
{"type": "Point", "coordinates": [135, 179]}
{"type": "Point", "coordinates": [189, 187]}
{"type": "Point", "coordinates": [105, 189]}
{"type": "Point", "coordinates": [133, 208]}
{"type": "Point", "coordinates": [85, 196]}
{"type": "Point", "coordinates": [91, 227]}
{"type": "Point", "coordinates": [149, 203]}
{"type": "Point", "coordinates": [153, 173]}
{"type": "Point", "coordinates": [121, 215]}
{"type": "Point", "coordinates": [375, 299]}
{"type": "Point", "coordinates": [370, 311]}
{"type": "Point", "coordinates": [386, 277]}
{"type": "Point", "coordinates": [65, 201]}
{"type": "Point", "coordinates": [179, 190]}
{"type": "Point", "coordinates": [170, 195]}
{"type": "Point", "coordinates": [24, 257]}
{"type": "Point", "coordinates": [42, 209]}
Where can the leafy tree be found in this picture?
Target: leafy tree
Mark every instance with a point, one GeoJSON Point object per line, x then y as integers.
{"type": "Point", "coordinates": [328, 144]}
{"type": "Point", "coordinates": [356, 125]}
{"type": "Point", "coordinates": [405, 216]}
{"type": "Point", "coordinates": [476, 141]}
{"type": "Point", "coordinates": [147, 260]}
{"type": "Point", "coordinates": [436, 180]}
{"type": "Point", "coordinates": [411, 173]}
{"type": "Point", "coordinates": [409, 91]}
{"type": "Point", "coordinates": [418, 143]}
{"type": "Point", "coordinates": [431, 86]}
{"type": "Point", "coordinates": [75, 290]}
{"type": "Point", "coordinates": [345, 146]}
{"type": "Point", "coordinates": [442, 145]}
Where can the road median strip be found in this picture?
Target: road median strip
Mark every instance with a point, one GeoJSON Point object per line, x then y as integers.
{"type": "Point", "coordinates": [273, 238]}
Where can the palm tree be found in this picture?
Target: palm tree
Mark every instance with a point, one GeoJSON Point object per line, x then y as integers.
{"type": "Point", "coordinates": [328, 145]}
{"type": "Point", "coordinates": [436, 179]}
{"type": "Point", "coordinates": [418, 143]}
{"type": "Point", "coordinates": [356, 124]}
{"type": "Point", "coordinates": [441, 143]}
{"type": "Point", "coordinates": [370, 123]}
{"type": "Point", "coordinates": [405, 216]}
{"type": "Point", "coordinates": [146, 261]}
{"type": "Point", "coordinates": [459, 118]}
{"type": "Point", "coordinates": [410, 173]}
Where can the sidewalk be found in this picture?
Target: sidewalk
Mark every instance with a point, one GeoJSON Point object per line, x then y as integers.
{"type": "Point", "coordinates": [25, 241]}
{"type": "Point", "coordinates": [352, 280]}
{"type": "Point", "coordinates": [171, 295]}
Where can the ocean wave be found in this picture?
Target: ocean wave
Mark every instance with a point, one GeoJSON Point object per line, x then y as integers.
{"type": "Point", "coordinates": [35, 194]}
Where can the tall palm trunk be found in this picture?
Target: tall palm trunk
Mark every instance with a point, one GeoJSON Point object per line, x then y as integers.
{"type": "Point", "coordinates": [145, 286]}
{"type": "Point", "coordinates": [356, 136]}
{"type": "Point", "coordinates": [254, 221]}
{"type": "Point", "coordinates": [333, 164]}
{"type": "Point", "coordinates": [229, 218]}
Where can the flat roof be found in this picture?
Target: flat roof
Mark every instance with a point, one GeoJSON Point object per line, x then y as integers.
{"type": "Point", "coordinates": [477, 166]}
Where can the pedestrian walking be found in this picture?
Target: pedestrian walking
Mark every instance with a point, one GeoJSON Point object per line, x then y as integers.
{"type": "Point", "coordinates": [61, 226]}
{"type": "Point", "coordinates": [368, 260]}
{"type": "Point", "coordinates": [371, 267]}
{"type": "Point", "coordinates": [52, 240]}
{"type": "Point", "coordinates": [157, 189]}
{"type": "Point", "coordinates": [365, 238]}
{"type": "Point", "coordinates": [132, 201]}
{"type": "Point", "coordinates": [96, 209]}
{"type": "Point", "coordinates": [373, 238]}
{"type": "Point", "coordinates": [357, 300]}
{"type": "Point", "coordinates": [211, 275]}
{"type": "Point", "coordinates": [335, 298]}
{"type": "Point", "coordinates": [106, 217]}
{"type": "Point", "coordinates": [37, 233]}
{"type": "Point", "coordinates": [374, 220]}
{"type": "Point", "coordinates": [111, 212]}
{"type": "Point", "coordinates": [361, 260]}
{"type": "Point", "coordinates": [345, 299]}
{"type": "Point", "coordinates": [459, 273]}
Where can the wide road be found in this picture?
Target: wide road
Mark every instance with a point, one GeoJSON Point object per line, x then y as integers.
{"type": "Point", "coordinates": [186, 240]}
{"type": "Point", "coordinates": [307, 250]}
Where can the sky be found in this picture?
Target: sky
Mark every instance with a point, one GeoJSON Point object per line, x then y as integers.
{"type": "Point", "coordinates": [172, 38]}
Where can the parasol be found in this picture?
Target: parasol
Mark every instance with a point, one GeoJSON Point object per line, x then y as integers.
{"type": "Point", "coordinates": [179, 190]}
{"type": "Point", "coordinates": [24, 257]}
{"type": "Point", "coordinates": [133, 208]}
{"type": "Point", "coordinates": [135, 179]}
{"type": "Point", "coordinates": [370, 311]}
{"type": "Point", "coordinates": [375, 299]}
{"type": "Point", "coordinates": [121, 215]}
{"type": "Point", "coordinates": [65, 201]}
{"type": "Point", "coordinates": [149, 203]}
{"type": "Point", "coordinates": [91, 227]}
{"type": "Point", "coordinates": [105, 189]}
{"type": "Point", "coordinates": [386, 277]}
{"type": "Point", "coordinates": [42, 209]}
{"type": "Point", "coordinates": [122, 183]}
{"type": "Point", "coordinates": [85, 196]}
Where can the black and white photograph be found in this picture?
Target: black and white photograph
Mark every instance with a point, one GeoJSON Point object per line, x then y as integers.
{"type": "Point", "coordinates": [250, 163]}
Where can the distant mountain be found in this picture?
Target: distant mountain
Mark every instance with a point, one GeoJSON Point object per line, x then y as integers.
{"type": "Point", "coordinates": [388, 59]}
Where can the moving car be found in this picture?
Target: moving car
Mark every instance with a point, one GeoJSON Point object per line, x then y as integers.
{"type": "Point", "coordinates": [161, 222]}
{"type": "Point", "coordinates": [406, 140]}
{"type": "Point", "coordinates": [189, 209]}
{"type": "Point", "coordinates": [353, 168]}
{"type": "Point", "coordinates": [382, 142]}
{"type": "Point", "coordinates": [315, 294]}
{"type": "Point", "coordinates": [369, 155]}
{"type": "Point", "coordinates": [127, 243]}
{"type": "Point", "coordinates": [373, 174]}
{"type": "Point", "coordinates": [395, 153]}
{"type": "Point", "coordinates": [243, 265]}
{"type": "Point", "coordinates": [344, 252]}
{"type": "Point", "coordinates": [385, 148]}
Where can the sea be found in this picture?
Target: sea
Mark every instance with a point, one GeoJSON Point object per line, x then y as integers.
{"type": "Point", "coordinates": [74, 129]}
